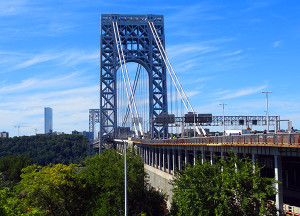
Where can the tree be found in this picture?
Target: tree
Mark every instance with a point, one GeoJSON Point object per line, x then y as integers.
{"type": "Point", "coordinates": [10, 169]}
{"type": "Point", "coordinates": [53, 189]}
{"type": "Point", "coordinates": [45, 149]}
{"type": "Point", "coordinates": [96, 189]}
{"type": "Point", "coordinates": [230, 187]}
{"type": "Point", "coordinates": [104, 176]}
{"type": "Point", "coordinates": [10, 205]}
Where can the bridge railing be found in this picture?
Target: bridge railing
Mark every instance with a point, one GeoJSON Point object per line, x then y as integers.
{"type": "Point", "coordinates": [255, 139]}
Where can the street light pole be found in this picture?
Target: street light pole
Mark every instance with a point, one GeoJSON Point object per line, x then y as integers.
{"type": "Point", "coordinates": [267, 113]}
{"type": "Point", "coordinates": [125, 175]}
{"type": "Point", "coordinates": [223, 104]}
{"type": "Point", "coordinates": [195, 124]}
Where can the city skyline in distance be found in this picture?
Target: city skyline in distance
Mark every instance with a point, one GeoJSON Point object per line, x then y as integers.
{"type": "Point", "coordinates": [222, 53]}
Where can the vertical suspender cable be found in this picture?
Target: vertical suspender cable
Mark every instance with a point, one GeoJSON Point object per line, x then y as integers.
{"type": "Point", "coordinates": [162, 55]}
{"type": "Point", "coordinates": [136, 79]}
{"type": "Point", "coordinates": [176, 108]}
{"type": "Point", "coordinates": [171, 100]}
{"type": "Point", "coordinates": [128, 80]}
{"type": "Point", "coordinates": [172, 67]}
{"type": "Point", "coordinates": [117, 44]}
{"type": "Point", "coordinates": [165, 54]}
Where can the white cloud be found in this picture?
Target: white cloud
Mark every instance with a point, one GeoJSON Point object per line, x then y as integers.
{"type": "Point", "coordinates": [70, 109]}
{"type": "Point", "coordinates": [242, 92]}
{"type": "Point", "coordinates": [190, 49]}
{"type": "Point", "coordinates": [11, 61]}
{"type": "Point", "coordinates": [12, 7]}
{"type": "Point", "coordinates": [233, 53]}
{"type": "Point", "coordinates": [70, 96]}
{"type": "Point", "coordinates": [192, 93]}
{"type": "Point", "coordinates": [277, 43]}
{"type": "Point", "coordinates": [36, 60]}
{"type": "Point", "coordinates": [41, 84]}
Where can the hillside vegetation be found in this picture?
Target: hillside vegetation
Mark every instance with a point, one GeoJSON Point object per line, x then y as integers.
{"type": "Point", "coordinates": [45, 149]}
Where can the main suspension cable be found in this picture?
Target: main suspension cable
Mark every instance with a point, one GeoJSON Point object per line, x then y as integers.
{"type": "Point", "coordinates": [121, 65]}
{"type": "Point", "coordinates": [128, 80]}
{"type": "Point", "coordinates": [136, 78]}
{"type": "Point", "coordinates": [164, 56]}
{"type": "Point", "coordinates": [172, 67]}
{"type": "Point", "coordinates": [167, 65]}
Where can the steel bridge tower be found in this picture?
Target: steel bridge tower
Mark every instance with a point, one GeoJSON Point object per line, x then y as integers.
{"type": "Point", "coordinates": [139, 46]}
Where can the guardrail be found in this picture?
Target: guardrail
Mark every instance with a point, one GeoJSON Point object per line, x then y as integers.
{"type": "Point", "coordinates": [255, 139]}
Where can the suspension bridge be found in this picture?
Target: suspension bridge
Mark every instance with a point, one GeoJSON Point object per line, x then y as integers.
{"type": "Point", "coordinates": [142, 102]}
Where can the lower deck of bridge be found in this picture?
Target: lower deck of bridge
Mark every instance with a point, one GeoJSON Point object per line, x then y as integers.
{"type": "Point", "coordinates": [276, 162]}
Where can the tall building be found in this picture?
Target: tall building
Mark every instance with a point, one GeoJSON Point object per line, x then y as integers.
{"type": "Point", "coordinates": [48, 120]}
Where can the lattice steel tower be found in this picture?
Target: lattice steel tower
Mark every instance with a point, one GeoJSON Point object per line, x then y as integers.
{"type": "Point", "coordinates": [139, 46]}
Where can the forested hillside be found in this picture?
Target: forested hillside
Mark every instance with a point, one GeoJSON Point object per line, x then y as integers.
{"type": "Point", "coordinates": [45, 149]}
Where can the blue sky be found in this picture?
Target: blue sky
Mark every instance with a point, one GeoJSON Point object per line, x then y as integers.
{"type": "Point", "coordinates": [222, 51]}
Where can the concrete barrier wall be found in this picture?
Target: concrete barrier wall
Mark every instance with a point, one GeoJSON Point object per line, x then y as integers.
{"type": "Point", "coordinates": [160, 181]}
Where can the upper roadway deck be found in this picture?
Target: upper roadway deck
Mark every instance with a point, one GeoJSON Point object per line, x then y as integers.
{"type": "Point", "coordinates": [270, 140]}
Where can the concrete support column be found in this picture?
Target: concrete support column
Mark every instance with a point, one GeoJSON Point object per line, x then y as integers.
{"type": "Point", "coordinates": [202, 157]}
{"type": "Point", "coordinates": [253, 161]}
{"type": "Point", "coordinates": [145, 155]}
{"type": "Point", "coordinates": [222, 157]}
{"type": "Point", "coordinates": [179, 159]}
{"type": "Point", "coordinates": [194, 158]}
{"type": "Point", "coordinates": [152, 156]}
{"type": "Point", "coordinates": [155, 158]}
{"type": "Point", "coordinates": [211, 158]}
{"type": "Point", "coordinates": [164, 160]}
{"type": "Point", "coordinates": [159, 158]}
{"type": "Point", "coordinates": [173, 159]}
{"type": "Point", "coordinates": [186, 157]}
{"type": "Point", "coordinates": [222, 154]}
{"type": "Point", "coordinates": [169, 160]}
{"type": "Point", "coordinates": [148, 155]}
{"type": "Point", "coordinates": [278, 186]}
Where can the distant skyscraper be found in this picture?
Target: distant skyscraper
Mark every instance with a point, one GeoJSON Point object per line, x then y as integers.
{"type": "Point", "coordinates": [48, 120]}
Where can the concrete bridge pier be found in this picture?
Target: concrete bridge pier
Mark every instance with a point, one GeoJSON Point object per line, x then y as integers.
{"type": "Point", "coordinates": [169, 160]}
{"type": "Point", "coordinates": [278, 186]}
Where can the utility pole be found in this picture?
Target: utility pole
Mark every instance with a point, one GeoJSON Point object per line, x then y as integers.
{"type": "Point", "coordinates": [125, 173]}
{"type": "Point", "coordinates": [267, 113]}
{"type": "Point", "coordinates": [194, 124]}
{"type": "Point", "coordinates": [223, 104]}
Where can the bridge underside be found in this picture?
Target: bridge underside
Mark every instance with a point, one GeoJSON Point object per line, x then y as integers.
{"type": "Point", "coordinates": [280, 157]}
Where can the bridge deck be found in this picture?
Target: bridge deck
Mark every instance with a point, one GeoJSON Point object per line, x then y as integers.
{"type": "Point", "coordinates": [271, 140]}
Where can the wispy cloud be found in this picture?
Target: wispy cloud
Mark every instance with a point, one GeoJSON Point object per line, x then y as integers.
{"type": "Point", "coordinates": [277, 43]}
{"type": "Point", "coordinates": [15, 61]}
{"type": "Point", "coordinates": [256, 5]}
{"type": "Point", "coordinates": [12, 7]}
{"type": "Point", "coordinates": [36, 60]}
{"type": "Point", "coordinates": [192, 93]}
{"type": "Point", "coordinates": [70, 109]}
{"type": "Point", "coordinates": [41, 84]}
{"type": "Point", "coordinates": [199, 11]}
{"type": "Point", "coordinates": [233, 53]}
{"type": "Point", "coordinates": [242, 92]}
{"type": "Point", "coordinates": [190, 49]}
